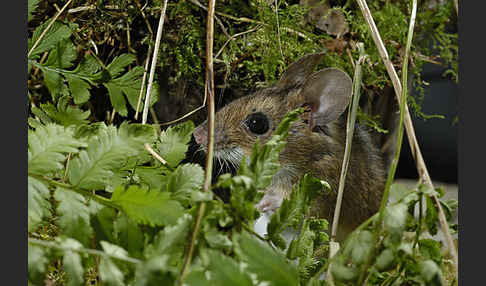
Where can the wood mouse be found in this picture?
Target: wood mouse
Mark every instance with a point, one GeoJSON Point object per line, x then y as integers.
{"type": "Point", "coordinates": [315, 143]}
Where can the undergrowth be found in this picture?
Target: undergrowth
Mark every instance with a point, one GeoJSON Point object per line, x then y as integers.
{"type": "Point", "coordinates": [102, 210]}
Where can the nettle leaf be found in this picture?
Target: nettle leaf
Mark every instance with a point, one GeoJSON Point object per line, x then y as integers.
{"type": "Point", "coordinates": [385, 259]}
{"type": "Point", "coordinates": [395, 218]}
{"type": "Point", "coordinates": [186, 180]}
{"type": "Point", "coordinates": [174, 142]}
{"type": "Point", "coordinates": [147, 207]}
{"type": "Point", "coordinates": [38, 204]}
{"type": "Point", "coordinates": [268, 265]}
{"type": "Point", "coordinates": [73, 215]}
{"type": "Point", "coordinates": [215, 238]}
{"type": "Point", "coordinates": [136, 135]}
{"type": "Point", "coordinates": [114, 250]}
{"type": "Point", "coordinates": [95, 165]}
{"type": "Point", "coordinates": [226, 271]}
{"type": "Point", "coordinates": [65, 114]}
{"type": "Point", "coordinates": [430, 272]}
{"type": "Point", "coordinates": [79, 89]}
{"type": "Point", "coordinates": [71, 261]}
{"type": "Point", "coordinates": [128, 234]}
{"type": "Point", "coordinates": [53, 36]}
{"type": "Point", "coordinates": [36, 263]}
{"type": "Point", "coordinates": [32, 5]}
{"type": "Point", "coordinates": [153, 178]}
{"type": "Point", "coordinates": [341, 272]}
{"type": "Point", "coordinates": [155, 271]}
{"type": "Point", "coordinates": [47, 147]}
{"type": "Point", "coordinates": [118, 65]}
{"type": "Point", "coordinates": [109, 273]}
{"type": "Point", "coordinates": [55, 84]}
{"type": "Point", "coordinates": [105, 223]}
{"type": "Point", "coordinates": [430, 249]}
{"type": "Point", "coordinates": [397, 192]}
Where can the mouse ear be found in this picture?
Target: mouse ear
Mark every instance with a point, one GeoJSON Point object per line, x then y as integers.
{"type": "Point", "coordinates": [299, 70]}
{"type": "Point", "coordinates": [328, 93]}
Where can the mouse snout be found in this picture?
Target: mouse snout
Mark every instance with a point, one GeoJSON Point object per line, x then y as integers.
{"type": "Point", "coordinates": [200, 135]}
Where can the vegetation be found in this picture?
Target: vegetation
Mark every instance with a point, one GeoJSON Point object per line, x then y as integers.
{"type": "Point", "coordinates": [103, 211]}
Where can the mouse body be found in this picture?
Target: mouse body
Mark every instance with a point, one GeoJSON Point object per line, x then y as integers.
{"type": "Point", "coordinates": [315, 143]}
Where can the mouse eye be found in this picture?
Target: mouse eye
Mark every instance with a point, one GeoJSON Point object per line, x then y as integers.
{"type": "Point", "coordinates": [257, 123]}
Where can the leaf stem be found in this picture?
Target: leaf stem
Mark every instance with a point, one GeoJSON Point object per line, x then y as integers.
{"type": "Point", "coordinates": [209, 94]}
{"type": "Point", "coordinates": [55, 245]}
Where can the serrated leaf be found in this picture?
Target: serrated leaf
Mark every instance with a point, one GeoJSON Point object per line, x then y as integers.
{"type": "Point", "coordinates": [215, 238]}
{"type": "Point", "coordinates": [226, 271]}
{"type": "Point", "coordinates": [79, 89]}
{"type": "Point", "coordinates": [47, 147]}
{"type": "Point", "coordinates": [151, 177]}
{"type": "Point", "coordinates": [128, 234]}
{"type": "Point", "coordinates": [117, 66]}
{"type": "Point", "coordinates": [65, 114]}
{"type": "Point", "coordinates": [343, 273]}
{"type": "Point", "coordinates": [303, 245]}
{"type": "Point", "coordinates": [131, 82]}
{"type": "Point", "coordinates": [105, 223]}
{"type": "Point", "coordinates": [73, 215]}
{"type": "Point", "coordinates": [114, 250]}
{"type": "Point", "coordinates": [136, 135]}
{"type": "Point", "coordinates": [174, 142]}
{"type": "Point", "coordinates": [109, 273]}
{"type": "Point", "coordinates": [397, 192]}
{"type": "Point", "coordinates": [36, 263]}
{"type": "Point", "coordinates": [55, 84]}
{"type": "Point", "coordinates": [116, 97]}
{"type": "Point", "coordinates": [52, 37]}
{"type": "Point", "coordinates": [429, 271]}
{"type": "Point", "coordinates": [95, 165]}
{"type": "Point", "coordinates": [197, 278]}
{"type": "Point", "coordinates": [186, 180]}
{"type": "Point", "coordinates": [38, 204]}
{"type": "Point", "coordinates": [268, 264]}
{"type": "Point", "coordinates": [147, 207]}
{"type": "Point", "coordinates": [431, 216]}
{"type": "Point", "coordinates": [430, 249]}
{"type": "Point", "coordinates": [63, 55]}
{"type": "Point", "coordinates": [71, 261]}
{"type": "Point", "coordinates": [32, 5]}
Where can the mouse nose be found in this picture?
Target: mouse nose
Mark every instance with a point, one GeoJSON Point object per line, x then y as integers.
{"type": "Point", "coordinates": [200, 135]}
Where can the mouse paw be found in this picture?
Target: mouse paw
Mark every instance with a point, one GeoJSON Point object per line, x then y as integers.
{"type": "Point", "coordinates": [269, 203]}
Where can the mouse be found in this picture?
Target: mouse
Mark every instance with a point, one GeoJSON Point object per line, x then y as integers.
{"type": "Point", "coordinates": [315, 144]}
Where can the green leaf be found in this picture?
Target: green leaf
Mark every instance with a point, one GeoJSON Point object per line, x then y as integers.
{"type": "Point", "coordinates": [362, 247]}
{"type": "Point", "coordinates": [431, 216]}
{"type": "Point", "coordinates": [38, 204]}
{"type": "Point", "coordinates": [47, 146]}
{"type": "Point", "coordinates": [397, 192]}
{"type": "Point", "coordinates": [430, 272]}
{"type": "Point", "coordinates": [63, 55]}
{"type": "Point", "coordinates": [186, 180]}
{"type": "Point", "coordinates": [105, 223]}
{"type": "Point", "coordinates": [385, 259]}
{"type": "Point", "coordinates": [147, 207]}
{"type": "Point", "coordinates": [136, 135]}
{"type": "Point", "coordinates": [343, 273]}
{"type": "Point", "coordinates": [155, 271]}
{"type": "Point", "coordinates": [430, 249]}
{"type": "Point", "coordinates": [152, 177]}
{"type": "Point", "coordinates": [226, 271]}
{"type": "Point", "coordinates": [105, 153]}
{"type": "Point", "coordinates": [171, 239]}
{"type": "Point", "coordinates": [118, 65]}
{"type": "Point", "coordinates": [114, 250]}
{"type": "Point", "coordinates": [395, 218]}
{"type": "Point", "coordinates": [71, 261]}
{"type": "Point", "coordinates": [109, 273]}
{"type": "Point", "coordinates": [52, 37]}
{"type": "Point", "coordinates": [215, 238]}
{"type": "Point", "coordinates": [32, 5]}
{"type": "Point", "coordinates": [73, 215]}
{"type": "Point", "coordinates": [65, 114]}
{"type": "Point", "coordinates": [128, 234]}
{"type": "Point", "coordinates": [268, 264]}
{"type": "Point", "coordinates": [55, 84]}
{"type": "Point", "coordinates": [79, 89]}
{"type": "Point", "coordinates": [36, 263]}
{"type": "Point", "coordinates": [174, 142]}
{"type": "Point", "coordinates": [116, 97]}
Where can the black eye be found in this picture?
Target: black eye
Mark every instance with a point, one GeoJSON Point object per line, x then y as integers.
{"type": "Point", "coordinates": [257, 123]}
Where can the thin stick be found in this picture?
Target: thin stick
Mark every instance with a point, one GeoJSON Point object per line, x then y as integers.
{"type": "Point", "coordinates": [154, 62]}
{"type": "Point", "coordinates": [48, 27]}
{"type": "Point", "coordinates": [143, 82]}
{"type": "Point", "coordinates": [197, 3]}
{"type": "Point", "coordinates": [278, 31]}
{"type": "Point", "coordinates": [209, 158]}
{"type": "Point", "coordinates": [234, 37]}
{"type": "Point", "coordinates": [156, 156]}
{"type": "Point", "coordinates": [55, 245]}
{"type": "Point", "coordinates": [415, 149]}
{"type": "Point", "coordinates": [353, 108]}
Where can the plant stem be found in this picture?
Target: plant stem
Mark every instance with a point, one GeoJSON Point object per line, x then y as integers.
{"type": "Point", "coordinates": [414, 147]}
{"type": "Point", "coordinates": [209, 94]}
{"type": "Point", "coordinates": [55, 245]}
{"type": "Point", "coordinates": [154, 62]}
{"type": "Point", "coordinates": [394, 164]}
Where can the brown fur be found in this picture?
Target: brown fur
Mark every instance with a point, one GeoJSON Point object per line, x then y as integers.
{"type": "Point", "coordinates": [319, 152]}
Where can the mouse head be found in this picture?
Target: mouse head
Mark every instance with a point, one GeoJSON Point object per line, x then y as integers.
{"type": "Point", "coordinates": [325, 94]}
